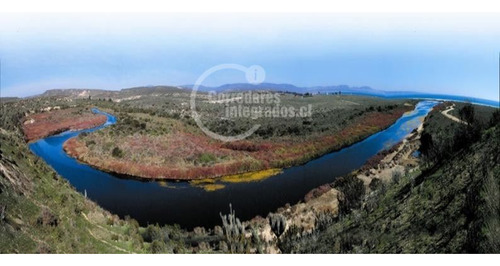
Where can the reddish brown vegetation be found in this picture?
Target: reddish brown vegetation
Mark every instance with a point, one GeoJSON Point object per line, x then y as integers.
{"type": "Point", "coordinates": [77, 149]}
{"type": "Point", "coordinates": [375, 159]}
{"type": "Point", "coordinates": [45, 124]}
{"type": "Point", "coordinates": [288, 154]}
{"type": "Point", "coordinates": [441, 107]}
{"type": "Point", "coordinates": [246, 155]}
{"type": "Point", "coordinates": [245, 145]}
{"type": "Point", "coordinates": [316, 192]}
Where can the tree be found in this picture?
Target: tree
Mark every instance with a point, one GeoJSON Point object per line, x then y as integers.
{"type": "Point", "coordinates": [495, 118]}
{"type": "Point", "coordinates": [426, 144]}
{"type": "Point", "coordinates": [352, 191]}
{"type": "Point", "coordinates": [467, 114]}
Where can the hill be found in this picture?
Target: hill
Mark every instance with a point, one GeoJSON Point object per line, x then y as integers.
{"type": "Point", "coordinates": [452, 206]}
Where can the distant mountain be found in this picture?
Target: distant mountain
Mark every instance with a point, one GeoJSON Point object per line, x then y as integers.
{"type": "Point", "coordinates": [97, 93]}
{"type": "Point", "coordinates": [73, 93]}
{"type": "Point", "coordinates": [290, 88]}
{"type": "Point", "coordinates": [247, 86]}
{"type": "Point", "coordinates": [151, 90]}
{"type": "Point", "coordinates": [343, 89]}
{"type": "Point", "coordinates": [262, 86]}
{"type": "Point", "coordinates": [200, 88]}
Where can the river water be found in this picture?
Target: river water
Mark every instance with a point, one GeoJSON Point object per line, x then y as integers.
{"type": "Point", "coordinates": [190, 206]}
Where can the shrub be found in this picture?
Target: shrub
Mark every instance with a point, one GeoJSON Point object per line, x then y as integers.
{"type": "Point", "coordinates": [352, 190]}
{"type": "Point", "coordinates": [278, 224]}
{"type": "Point", "coordinates": [117, 152]}
{"type": "Point", "coordinates": [235, 232]}
{"type": "Point", "coordinates": [206, 158]}
{"type": "Point", "coordinates": [323, 220]}
{"type": "Point", "coordinates": [150, 233]}
{"type": "Point", "coordinates": [158, 247]}
{"type": "Point", "coordinates": [396, 177]}
{"type": "Point", "coordinates": [231, 224]}
{"type": "Point", "coordinates": [467, 113]}
{"type": "Point", "coordinates": [375, 184]}
{"type": "Point", "coordinates": [426, 144]}
{"type": "Point", "coordinates": [495, 118]}
{"type": "Point", "coordinates": [47, 218]}
{"type": "Point", "coordinates": [155, 232]}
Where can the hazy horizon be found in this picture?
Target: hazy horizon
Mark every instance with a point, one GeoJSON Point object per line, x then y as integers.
{"type": "Point", "coordinates": [453, 54]}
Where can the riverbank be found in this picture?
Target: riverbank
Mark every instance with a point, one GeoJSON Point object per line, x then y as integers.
{"type": "Point", "coordinates": [55, 120]}
{"type": "Point", "coordinates": [167, 201]}
{"type": "Point", "coordinates": [444, 206]}
{"type": "Point", "coordinates": [171, 156]}
{"type": "Point", "coordinates": [323, 201]}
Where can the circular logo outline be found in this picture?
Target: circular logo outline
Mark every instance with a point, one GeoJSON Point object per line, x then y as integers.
{"type": "Point", "coordinates": [199, 81]}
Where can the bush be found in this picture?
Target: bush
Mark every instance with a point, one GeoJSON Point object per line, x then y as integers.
{"type": "Point", "coordinates": [396, 177]}
{"type": "Point", "coordinates": [150, 233]}
{"type": "Point", "coordinates": [352, 191]}
{"type": "Point", "coordinates": [155, 232]}
{"type": "Point", "coordinates": [467, 113]}
{"type": "Point", "coordinates": [206, 158]}
{"type": "Point", "coordinates": [117, 152]}
{"type": "Point", "coordinates": [47, 218]}
{"type": "Point", "coordinates": [323, 220]}
{"type": "Point", "coordinates": [495, 118]}
{"type": "Point", "coordinates": [235, 232]}
{"type": "Point", "coordinates": [277, 223]}
{"type": "Point", "coordinates": [158, 247]}
{"type": "Point", "coordinates": [375, 184]}
{"type": "Point", "coordinates": [426, 144]}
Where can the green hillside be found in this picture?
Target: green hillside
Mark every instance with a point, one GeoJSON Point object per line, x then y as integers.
{"type": "Point", "coordinates": [452, 206]}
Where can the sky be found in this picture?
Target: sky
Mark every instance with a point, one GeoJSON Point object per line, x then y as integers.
{"type": "Point", "coordinates": [456, 54]}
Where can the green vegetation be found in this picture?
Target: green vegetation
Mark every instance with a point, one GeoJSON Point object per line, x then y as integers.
{"type": "Point", "coordinates": [40, 212]}
{"type": "Point", "coordinates": [444, 137]}
{"type": "Point", "coordinates": [168, 145]}
{"type": "Point", "coordinates": [117, 152]}
{"type": "Point", "coordinates": [450, 206]}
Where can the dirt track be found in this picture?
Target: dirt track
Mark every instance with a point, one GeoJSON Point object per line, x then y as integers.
{"type": "Point", "coordinates": [456, 119]}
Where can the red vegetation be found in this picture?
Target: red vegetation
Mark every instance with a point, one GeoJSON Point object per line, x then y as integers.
{"type": "Point", "coordinates": [316, 192]}
{"type": "Point", "coordinates": [377, 158]}
{"type": "Point", "coordinates": [77, 149]}
{"type": "Point", "coordinates": [288, 154]}
{"type": "Point", "coordinates": [45, 124]}
{"type": "Point", "coordinates": [247, 155]}
{"type": "Point", "coordinates": [245, 145]}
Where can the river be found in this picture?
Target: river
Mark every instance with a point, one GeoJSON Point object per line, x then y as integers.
{"type": "Point", "coordinates": [190, 206]}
